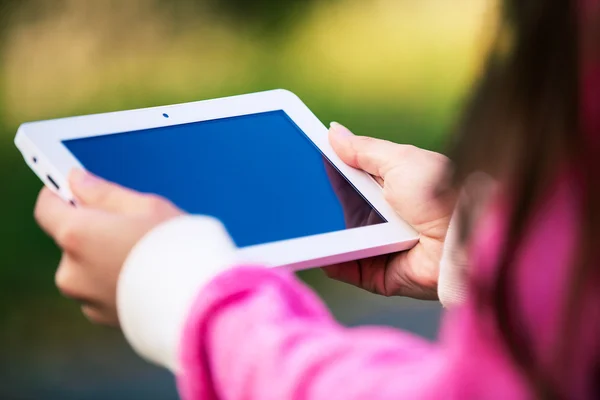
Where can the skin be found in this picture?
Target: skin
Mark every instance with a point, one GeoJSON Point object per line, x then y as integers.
{"type": "Point", "coordinates": [96, 237]}
{"type": "Point", "coordinates": [409, 177]}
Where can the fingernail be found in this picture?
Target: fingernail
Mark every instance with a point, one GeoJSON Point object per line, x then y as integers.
{"type": "Point", "coordinates": [83, 178]}
{"type": "Point", "coordinates": [340, 129]}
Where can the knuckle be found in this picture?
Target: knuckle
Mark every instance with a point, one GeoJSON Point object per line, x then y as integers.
{"type": "Point", "coordinates": [388, 193]}
{"type": "Point", "coordinates": [98, 316]}
{"type": "Point", "coordinates": [391, 195]}
{"type": "Point", "coordinates": [64, 279]}
{"type": "Point", "coordinates": [410, 148]}
{"type": "Point", "coordinates": [154, 203]}
{"type": "Point", "coordinates": [92, 314]}
{"type": "Point", "coordinates": [437, 158]}
{"type": "Point", "coordinates": [444, 162]}
{"type": "Point", "coordinates": [69, 236]}
{"type": "Point", "coordinates": [363, 141]}
{"type": "Point", "coordinates": [157, 205]}
{"type": "Point", "coordinates": [97, 195]}
{"type": "Point", "coordinates": [405, 150]}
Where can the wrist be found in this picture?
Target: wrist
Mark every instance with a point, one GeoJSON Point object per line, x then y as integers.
{"type": "Point", "coordinates": [160, 279]}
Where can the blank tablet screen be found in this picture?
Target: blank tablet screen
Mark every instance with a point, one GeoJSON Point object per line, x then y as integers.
{"type": "Point", "coordinates": [259, 174]}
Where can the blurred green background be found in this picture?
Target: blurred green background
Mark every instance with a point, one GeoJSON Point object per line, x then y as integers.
{"type": "Point", "coordinates": [396, 69]}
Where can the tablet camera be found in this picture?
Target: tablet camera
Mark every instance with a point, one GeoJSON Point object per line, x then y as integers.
{"type": "Point", "coordinates": [166, 115]}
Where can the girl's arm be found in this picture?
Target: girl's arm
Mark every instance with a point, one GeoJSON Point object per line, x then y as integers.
{"type": "Point", "coordinates": [258, 333]}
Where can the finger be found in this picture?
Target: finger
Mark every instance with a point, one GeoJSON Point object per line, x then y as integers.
{"type": "Point", "coordinates": [372, 155]}
{"type": "Point", "coordinates": [385, 275]}
{"type": "Point", "coordinates": [73, 283]}
{"type": "Point", "coordinates": [90, 232]}
{"type": "Point", "coordinates": [347, 272]}
{"type": "Point", "coordinates": [368, 274]}
{"type": "Point", "coordinates": [65, 224]}
{"type": "Point", "coordinates": [100, 315]}
{"type": "Point", "coordinates": [404, 279]}
{"type": "Point", "coordinates": [338, 181]}
{"type": "Point", "coordinates": [95, 192]}
{"type": "Point", "coordinates": [52, 213]}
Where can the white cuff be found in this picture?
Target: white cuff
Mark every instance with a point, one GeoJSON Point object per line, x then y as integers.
{"type": "Point", "coordinates": [452, 286]}
{"type": "Point", "coordinates": [161, 278]}
{"type": "Point", "coordinates": [478, 189]}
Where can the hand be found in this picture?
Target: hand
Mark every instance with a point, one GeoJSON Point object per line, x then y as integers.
{"type": "Point", "coordinates": [409, 177]}
{"type": "Point", "coordinates": [96, 238]}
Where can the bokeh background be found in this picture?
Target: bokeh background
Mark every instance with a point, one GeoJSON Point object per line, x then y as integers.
{"type": "Point", "coordinates": [397, 69]}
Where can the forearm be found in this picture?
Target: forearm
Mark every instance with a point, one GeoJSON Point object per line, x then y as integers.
{"type": "Point", "coordinates": [254, 332]}
{"type": "Point", "coordinates": [259, 334]}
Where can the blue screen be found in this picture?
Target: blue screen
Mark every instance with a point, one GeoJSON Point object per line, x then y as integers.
{"type": "Point", "coordinates": [259, 174]}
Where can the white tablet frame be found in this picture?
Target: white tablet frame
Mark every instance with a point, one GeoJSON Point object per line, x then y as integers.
{"type": "Point", "coordinates": [41, 145]}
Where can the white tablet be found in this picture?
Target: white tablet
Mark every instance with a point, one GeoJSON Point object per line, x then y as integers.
{"type": "Point", "coordinates": [261, 163]}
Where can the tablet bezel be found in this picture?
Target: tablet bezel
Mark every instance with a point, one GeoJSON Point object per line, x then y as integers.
{"type": "Point", "coordinates": [41, 145]}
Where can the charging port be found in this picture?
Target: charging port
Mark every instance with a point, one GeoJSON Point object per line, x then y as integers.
{"type": "Point", "coordinates": [53, 182]}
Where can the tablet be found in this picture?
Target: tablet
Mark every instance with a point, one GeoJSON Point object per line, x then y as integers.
{"type": "Point", "coordinates": [261, 163]}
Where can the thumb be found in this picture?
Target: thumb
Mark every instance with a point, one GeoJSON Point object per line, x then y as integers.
{"type": "Point", "coordinates": [95, 192]}
{"type": "Point", "coordinates": [374, 156]}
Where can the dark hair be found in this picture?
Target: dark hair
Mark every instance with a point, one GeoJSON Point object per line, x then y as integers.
{"type": "Point", "coordinates": [522, 126]}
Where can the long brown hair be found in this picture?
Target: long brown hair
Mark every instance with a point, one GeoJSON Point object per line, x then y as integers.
{"type": "Point", "coordinates": [523, 124]}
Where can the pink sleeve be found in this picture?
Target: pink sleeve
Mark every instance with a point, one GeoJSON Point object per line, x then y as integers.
{"type": "Point", "coordinates": [256, 333]}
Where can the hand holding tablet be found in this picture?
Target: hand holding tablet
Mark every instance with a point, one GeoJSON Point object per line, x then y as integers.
{"type": "Point", "coordinates": [260, 163]}
{"type": "Point", "coordinates": [410, 178]}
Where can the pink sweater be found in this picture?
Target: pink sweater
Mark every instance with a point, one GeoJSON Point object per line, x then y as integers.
{"type": "Point", "coordinates": [258, 333]}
